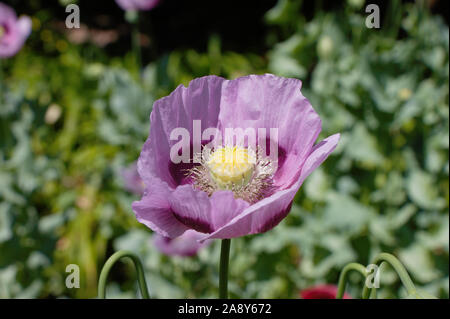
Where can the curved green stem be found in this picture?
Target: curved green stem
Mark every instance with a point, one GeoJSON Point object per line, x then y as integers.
{"type": "Point", "coordinates": [399, 269]}
{"type": "Point", "coordinates": [223, 271]}
{"type": "Point", "coordinates": [110, 263]}
{"type": "Point", "coordinates": [343, 277]}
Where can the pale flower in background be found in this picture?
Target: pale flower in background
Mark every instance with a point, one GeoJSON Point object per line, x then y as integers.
{"type": "Point", "coordinates": [137, 4]}
{"type": "Point", "coordinates": [13, 31]}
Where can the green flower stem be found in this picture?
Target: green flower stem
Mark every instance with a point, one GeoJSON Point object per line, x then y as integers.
{"type": "Point", "coordinates": [110, 263]}
{"type": "Point", "coordinates": [137, 43]}
{"type": "Point", "coordinates": [343, 277]}
{"type": "Point", "coordinates": [399, 269]}
{"type": "Point", "coordinates": [392, 18]}
{"type": "Point", "coordinates": [132, 16]}
{"type": "Point", "coordinates": [223, 271]}
{"type": "Point", "coordinates": [373, 294]}
{"type": "Point", "coordinates": [1, 82]}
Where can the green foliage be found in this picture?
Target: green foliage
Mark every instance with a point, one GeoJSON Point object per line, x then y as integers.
{"type": "Point", "coordinates": [71, 120]}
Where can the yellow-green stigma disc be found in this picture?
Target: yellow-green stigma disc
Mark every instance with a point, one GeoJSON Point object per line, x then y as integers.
{"type": "Point", "coordinates": [230, 166]}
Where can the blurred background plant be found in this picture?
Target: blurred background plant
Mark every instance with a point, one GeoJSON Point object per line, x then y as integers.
{"type": "Point", "coordinates": [74, 111]}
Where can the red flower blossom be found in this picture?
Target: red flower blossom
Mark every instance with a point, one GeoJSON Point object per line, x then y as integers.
{"type": "Point", "coordinates": [322, 292]}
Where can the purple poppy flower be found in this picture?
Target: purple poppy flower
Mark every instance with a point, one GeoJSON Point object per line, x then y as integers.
{"type": "Point", "coordinates": [186, 245]}
{"type": "Point", "coordinates": [132, 180]}
{"type": "Point", "coordinates": [137, 4]}
{"type": "Point", "coordinates": [232, 198]}
{"type": "Point", "coordinates": [13, 31]}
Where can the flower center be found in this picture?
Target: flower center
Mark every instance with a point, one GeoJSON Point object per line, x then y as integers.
{"type": "Point", "coordinates": [2, 31]}
{"type": "Point", "coordinates": [246, 172]}
{"type": "Point", "coordinates": [231, 166]}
